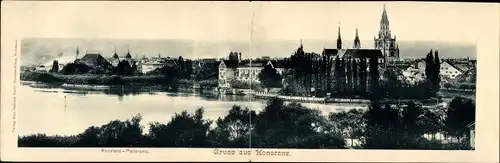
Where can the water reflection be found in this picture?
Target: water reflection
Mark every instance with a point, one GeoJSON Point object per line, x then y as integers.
{"type": "Point", "coordinates": [66, 111]}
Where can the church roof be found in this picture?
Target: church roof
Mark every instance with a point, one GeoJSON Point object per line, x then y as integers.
{"type": "Point", "coordinates": [362, 53]}
{"type": "Point", "coordinates": [91, 56]}
{"type": "Point", "coordinates": [128, 55]}
{"type": "Point", "coordinates": [230, 64]}
{"type": "Point", "coordinates": [331, 52]}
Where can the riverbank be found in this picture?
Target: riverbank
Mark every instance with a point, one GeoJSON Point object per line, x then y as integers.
{"type": "Point", "coordinates": [102, 82]}
{"type": "Point", "coordinates": [323, 100]}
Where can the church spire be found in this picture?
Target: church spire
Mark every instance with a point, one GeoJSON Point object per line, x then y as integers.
{"type": "Point", "coordinates": [301, 45]}
{"type": "Point", "coordinates": [128, 53]}
{"type": "Point", "coordinates": [339, 39]}
{"type": "Point", "coordinates": [384, 19]}
{"type": "Point", "coordinates": [357, 43]}
{"type": "Point", "coordinates": [115, 55]}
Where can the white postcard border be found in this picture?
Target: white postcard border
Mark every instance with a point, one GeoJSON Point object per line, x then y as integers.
{"type": "Point", "coordinates": [487, 132]}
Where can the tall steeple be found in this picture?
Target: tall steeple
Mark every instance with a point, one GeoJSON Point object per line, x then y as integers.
{"type": "Point", "coordinates": [301, 45]}
{"type": "Point", "coordinates": [384, 19]}
{"type": "Point", "coordinates": [385, 42]}
{"type": "Point", "coordinates": [357, 43]}
{"type": "Point", "coordinates": [128, 53]}
{"type": "Point", "coordinates": [385, 31]}
{"type": "Point", "coordinates": [339, 39]}
{"type": "Point", "coordinates": [115, 55]}
{"type": "Point", "coordinates": [77, 52]}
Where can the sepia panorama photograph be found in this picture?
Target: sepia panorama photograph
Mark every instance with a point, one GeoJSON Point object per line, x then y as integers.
{"type": "Point", "coordinates": [349, 83]}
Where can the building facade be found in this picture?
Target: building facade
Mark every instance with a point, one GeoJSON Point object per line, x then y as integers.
{"type": "Point", "coordinates": [243, 71]}
{"type": "Point", "coordinates": [148, 66]}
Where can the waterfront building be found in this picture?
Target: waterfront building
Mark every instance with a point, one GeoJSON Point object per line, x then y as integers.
{"type": "Point", "coordinates": [241, 70]}
{"type": "Point", "coordinates": [42, 68]}
{"type": "Point", "coordinates": [94, 60]}
{"type": "Point", "coordinates": [149, 66]}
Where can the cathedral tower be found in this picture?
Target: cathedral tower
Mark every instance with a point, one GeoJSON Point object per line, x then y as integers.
{"type": "Point", "coordinates": [385, 42]}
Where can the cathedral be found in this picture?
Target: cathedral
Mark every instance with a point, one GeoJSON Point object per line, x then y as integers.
{"type": "Point", "coordinates": [386, 47]}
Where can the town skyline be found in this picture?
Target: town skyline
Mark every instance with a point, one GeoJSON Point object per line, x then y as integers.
{"type": "Point", "coordinates": [33, 48]}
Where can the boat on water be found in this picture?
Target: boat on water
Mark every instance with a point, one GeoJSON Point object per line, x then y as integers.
{"type": "Point", "coordinates": [85, 87]}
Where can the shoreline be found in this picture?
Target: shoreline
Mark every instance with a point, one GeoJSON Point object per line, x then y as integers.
{"type": "Point", "coordinates": [257, 95]}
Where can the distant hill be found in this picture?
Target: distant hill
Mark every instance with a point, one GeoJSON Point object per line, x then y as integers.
{"type": "Point", "coordinates": [42, 50]}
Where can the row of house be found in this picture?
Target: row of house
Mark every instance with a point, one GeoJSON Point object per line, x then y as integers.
{"type": "Point", "coordinates": [144, 64]}
{"type": "Point", "coordinates": [450, 69]}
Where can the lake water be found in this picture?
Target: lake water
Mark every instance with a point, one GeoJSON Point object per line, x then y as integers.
{"type": "Point", "coordinates": [63, 112]}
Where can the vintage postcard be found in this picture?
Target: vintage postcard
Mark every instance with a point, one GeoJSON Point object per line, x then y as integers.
{"type": "Point", "coordinates": [250, 81]}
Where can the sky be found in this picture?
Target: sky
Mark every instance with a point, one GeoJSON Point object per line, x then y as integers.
{"type": "Point", "coordinates": [248, 26]}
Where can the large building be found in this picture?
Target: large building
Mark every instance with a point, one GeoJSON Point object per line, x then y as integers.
{"type": "Point", "coordinates": [385, 42]}
{"type": "Point", "coordinates": [235, 69]}
{"type": "Point", "coordinates": [148, 66]}
{"type": "Point", "coordinates": [94, 61]}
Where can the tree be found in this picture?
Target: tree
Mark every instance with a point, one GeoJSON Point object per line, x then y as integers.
{"type": "Point", "coordinates": [383, 122]}
{"type": "Point", "coordinates": [183, 130]}
{"type": "Point", "coordinates": [343, 76]}
{"type": "Point", "coordinates": [429, 66]}
{"type": "Point", "coordinates": [234, 56]}
{"type": "Point", "coordinates": [337, 74]}
{"type": "Point", "coordinates": [437, 70]}
{"type": "Point", "coordinates": [362, 76]}
{"type": "Point", "coordinates": [374, 78]}
{"type": "Point", "coordinates": [355, 77]}
{"type": "Point", "coordinates": [207, 71]}
{"type": "Point", "coordinates": [412, 119]}
{"type": "Point", "coordinates": [349, 74]}
{"type": "Point", "coordinates": [430, 73]}
{"type": "Point", "coordinates": [350, 123]}
{"type": "Point", "coordinates": [326, 67]}
{"type": "Point", "coordinates": [270, 78]}
{"type": "Point", "coordinates": [134, 68]}
{"type": "Point", "coordinates": [234, 129]}
{"type": "Point", "coordinates": [282, 125]}
{"type": "Point", "coordinates": [391, 87]}
{"type": "Point", "coordinates": [114, 134]}
{"type": "Point", "coordinates": [188, 70]}
{"type": "Point", "coordinates": [123, 68]}
{"type": "Point", "coordinates": [55, 66]}
{"type": "Point", "coordinates": [75, 68]}
{"type": "Point", "coordinates": [460, 113]}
